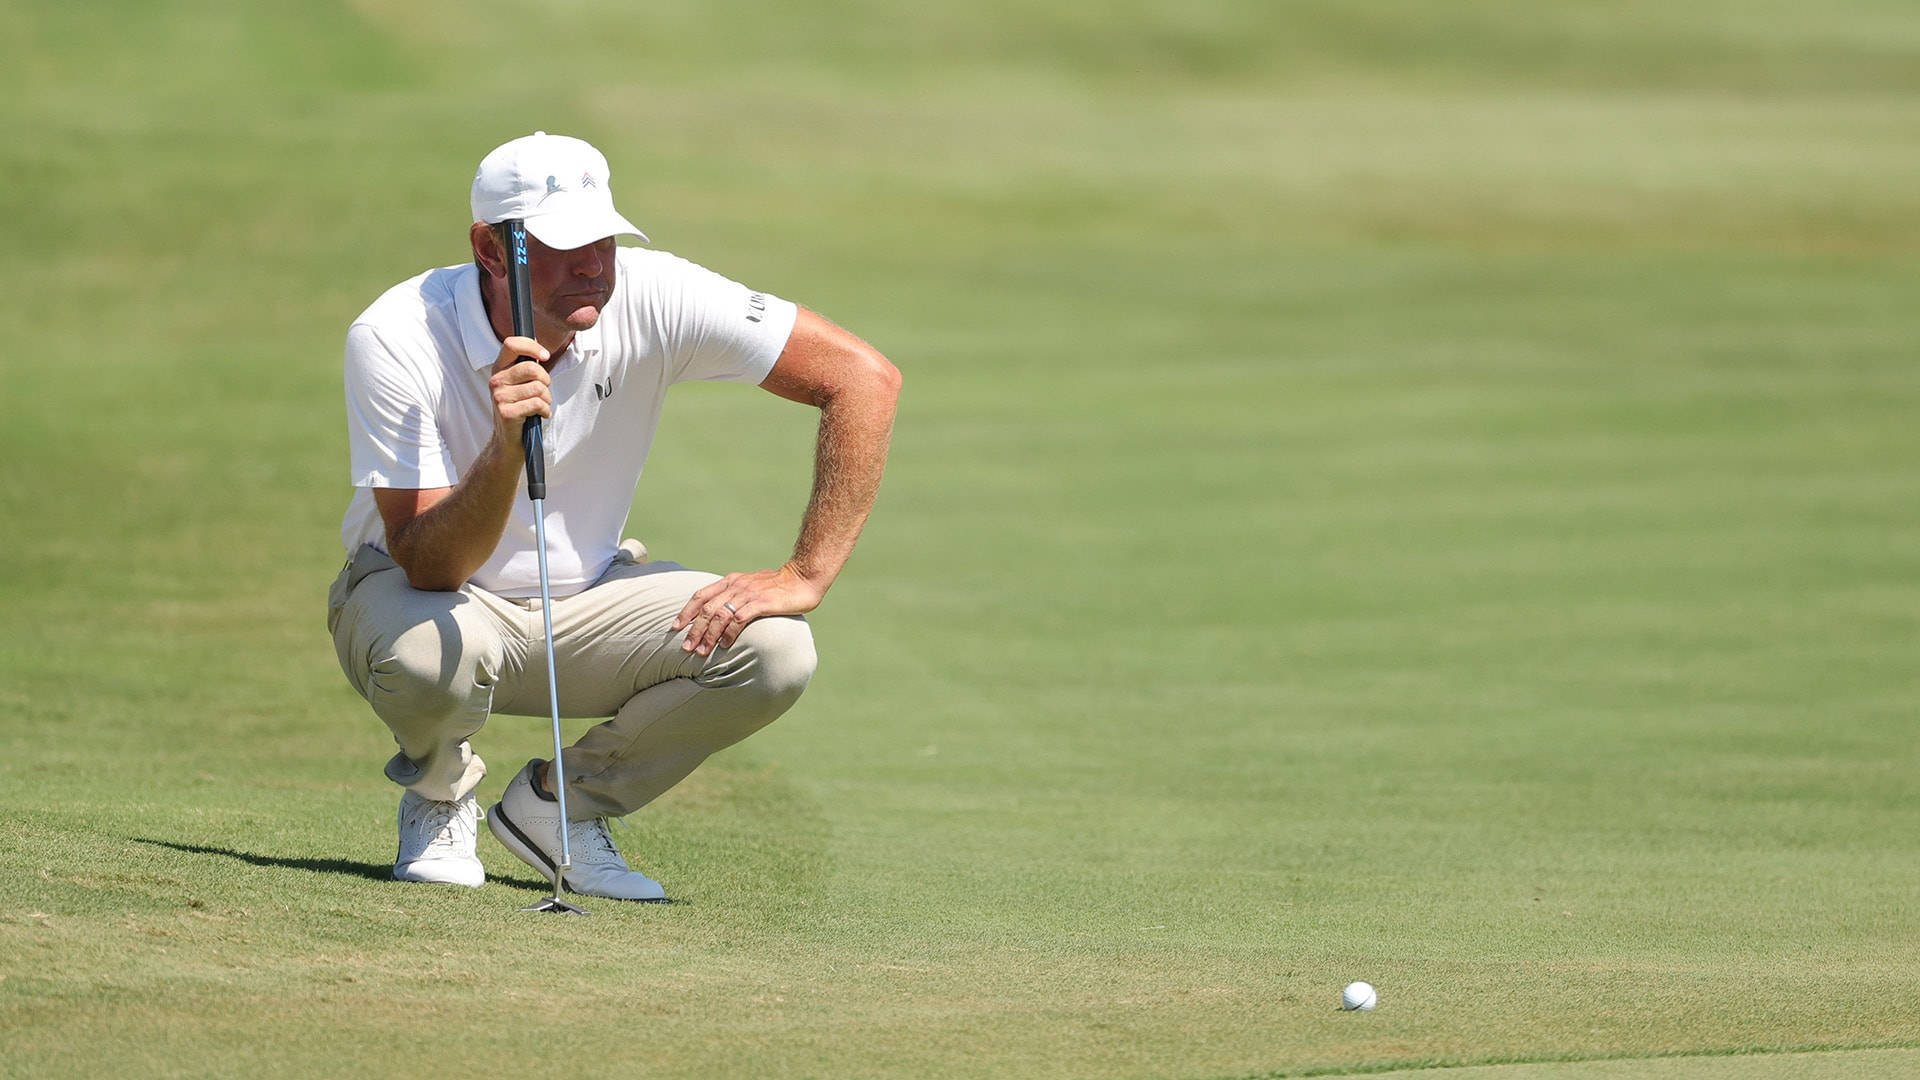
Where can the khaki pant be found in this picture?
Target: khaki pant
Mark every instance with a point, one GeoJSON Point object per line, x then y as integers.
{"type": "Point", "coordinates": [435, 665]}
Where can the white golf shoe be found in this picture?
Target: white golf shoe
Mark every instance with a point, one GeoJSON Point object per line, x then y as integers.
{"type": "Point", "coordinates": [527, 823]}
{"type": "Point", "coordinates": [437, 842]}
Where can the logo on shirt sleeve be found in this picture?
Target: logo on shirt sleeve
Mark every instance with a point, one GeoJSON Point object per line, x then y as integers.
{"type": "Point", "coordinates": [756, 307]}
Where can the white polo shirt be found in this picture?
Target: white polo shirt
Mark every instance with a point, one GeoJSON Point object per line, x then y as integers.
{"type": "Point", "coordinates": [419, 410]}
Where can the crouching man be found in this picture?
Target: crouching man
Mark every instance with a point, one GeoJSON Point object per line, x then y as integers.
{"type": "Point", "coordinates": [436, 618]}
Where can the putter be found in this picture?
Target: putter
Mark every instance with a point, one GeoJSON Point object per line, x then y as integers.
{"type": "Point", "coordinates": [520, 296]}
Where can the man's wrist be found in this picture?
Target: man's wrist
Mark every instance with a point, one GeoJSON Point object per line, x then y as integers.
{"type": "Point", "coordinates": [807, 572]}
{"type": "Point", "coordinates": [506, 448]}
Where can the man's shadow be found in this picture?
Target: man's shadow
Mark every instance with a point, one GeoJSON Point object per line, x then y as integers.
{"type": "Point", "coordinates": [371, 871]}
{"type": "Point", "coordinates": [374, 871]}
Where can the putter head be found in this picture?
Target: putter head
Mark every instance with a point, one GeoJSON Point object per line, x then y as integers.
{"type": "Point", "coordinates": [555, 904]}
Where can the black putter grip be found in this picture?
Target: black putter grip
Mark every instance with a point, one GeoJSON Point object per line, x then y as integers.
{"type": "Point", "coordinates": [536, 459]}
{"type": "Point", "coordinates": [513, 234]}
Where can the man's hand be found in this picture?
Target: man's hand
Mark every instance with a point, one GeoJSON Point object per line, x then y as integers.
{"type": "Point", "coordinates": [715, 616]}
{"type": "Point", "coordinates": [521, 388]}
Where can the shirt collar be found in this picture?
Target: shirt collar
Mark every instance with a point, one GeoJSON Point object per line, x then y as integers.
{"type": "Point", "coordinates": [483, 348]}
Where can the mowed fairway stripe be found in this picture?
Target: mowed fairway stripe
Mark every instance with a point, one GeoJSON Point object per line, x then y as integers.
{"type": "Point", "coordinates": [1899, 1063]}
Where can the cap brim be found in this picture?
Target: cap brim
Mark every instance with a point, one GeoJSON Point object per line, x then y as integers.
{"type": "Point", "coordinates": [568, 230]}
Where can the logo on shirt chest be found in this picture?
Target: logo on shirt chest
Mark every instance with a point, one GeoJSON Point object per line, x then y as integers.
{"type": "Point", "coordinates": [602, 393]}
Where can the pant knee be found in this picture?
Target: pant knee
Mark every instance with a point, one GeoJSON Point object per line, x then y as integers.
{"type": "Point", "coordinates": [787, 656]}
{"type": "Point", "coordinates": [773, 658]}
{"type": "Point", "coordinates": [431, 673]}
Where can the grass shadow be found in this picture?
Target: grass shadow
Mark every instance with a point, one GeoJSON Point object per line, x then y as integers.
{"type": "Point", "coordinates": [519, 880]}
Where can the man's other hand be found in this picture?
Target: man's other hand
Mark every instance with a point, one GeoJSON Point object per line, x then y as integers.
{"type": "Point", "coordinates": [715, 616]}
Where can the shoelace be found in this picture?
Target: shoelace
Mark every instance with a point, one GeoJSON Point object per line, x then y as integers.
{"type": "Point", "coordinates": [592, 838]}
{"type": "Point", "coordinates": [442, 822]}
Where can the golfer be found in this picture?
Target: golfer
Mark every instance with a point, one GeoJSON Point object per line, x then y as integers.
{"type": "Point", "coordinates": [436, 618]}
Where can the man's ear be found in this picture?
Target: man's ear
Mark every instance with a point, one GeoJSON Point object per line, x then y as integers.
{"type": "Point", "coordinates": [488, 251]}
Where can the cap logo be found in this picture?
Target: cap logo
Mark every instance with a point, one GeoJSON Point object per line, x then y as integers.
{"type": "Point", "coordinates": [586, 179]}
{"type": "Point", "coordinates": [552, 185]}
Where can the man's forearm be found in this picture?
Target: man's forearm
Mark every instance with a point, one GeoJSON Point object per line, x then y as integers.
{"type": "Point", "coordinates": [856, 389]}
{"type": "Point", "coordinates": [447, 542]}
{"type": "Point", "coordinates": [849, 458]}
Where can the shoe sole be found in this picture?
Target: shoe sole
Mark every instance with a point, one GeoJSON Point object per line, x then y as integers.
{"type": "Point", "coordinates": [398, 876]}
{"type": "Point", "coordinates": [511, 838]}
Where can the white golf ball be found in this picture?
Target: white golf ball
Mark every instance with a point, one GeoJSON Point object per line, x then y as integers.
{"type": "Point", "coordinates": [1359, 995]}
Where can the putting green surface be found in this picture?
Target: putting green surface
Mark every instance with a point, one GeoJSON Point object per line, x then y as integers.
{"type": "Point", "coordinates": [1418, 496]}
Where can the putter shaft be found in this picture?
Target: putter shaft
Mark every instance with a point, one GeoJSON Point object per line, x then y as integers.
{"type": "Point", "coordinates": [557, 772]}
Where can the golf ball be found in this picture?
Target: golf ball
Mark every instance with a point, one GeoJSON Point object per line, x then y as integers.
{"type": "Point", "coordinates": [1358, 995]}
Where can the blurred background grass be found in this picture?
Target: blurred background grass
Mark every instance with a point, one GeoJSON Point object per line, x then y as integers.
{"type": "Point", "coordinates": [1383, 491]}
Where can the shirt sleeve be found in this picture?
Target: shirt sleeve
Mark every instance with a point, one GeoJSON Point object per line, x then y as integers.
{"type": "Point", "coordinates": [393, 440]}
{"type": "Point", "coordinates": [718, 330]}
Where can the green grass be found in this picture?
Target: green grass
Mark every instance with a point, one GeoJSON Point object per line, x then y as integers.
{"type": "Point", "coordinates": [1422, 494]}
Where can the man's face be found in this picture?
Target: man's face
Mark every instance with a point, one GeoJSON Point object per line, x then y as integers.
{"type": "Point", "coordinates": [571, 287]}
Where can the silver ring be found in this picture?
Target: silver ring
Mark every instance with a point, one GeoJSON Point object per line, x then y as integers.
{"type": "Point", "coordinates": [730, 607]}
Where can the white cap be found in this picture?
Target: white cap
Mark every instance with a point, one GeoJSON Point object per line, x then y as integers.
{"type": "Point", "coordinates": [556, 184]}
